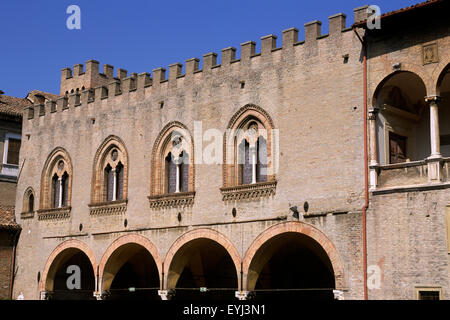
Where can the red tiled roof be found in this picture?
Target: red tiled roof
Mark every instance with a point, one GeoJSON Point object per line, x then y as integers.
{"type": "Point", "coordinates": [46, 95]}
{"type": "Point", "coordinates": [12, 106]}
{"type": "Point", "coordinates": [7, 220]}
{"type": "Point", "coordinates": [399, 11]}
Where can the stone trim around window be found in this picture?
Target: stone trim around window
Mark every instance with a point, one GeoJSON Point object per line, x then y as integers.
{"type": "Point", "coordinates": [171, 200]}
{"type": "Point", "coordinates": [54, 213]}
{"type": "Point", "coordinates": [249, 191]}
{"type": "Point", "coordinates": [108, 208]}
{"type": "Point", "coordinates": [27, 215]}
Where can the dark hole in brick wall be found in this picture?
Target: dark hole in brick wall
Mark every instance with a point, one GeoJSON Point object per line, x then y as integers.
{"type": "Point", "coordinates": [125, 223]}
{"type": "Point", "coordinates": [445, 140]}
{"type": "Point", "coordinates": [306, 206]}
{"type": "Point", "coordinates": [233, 212]}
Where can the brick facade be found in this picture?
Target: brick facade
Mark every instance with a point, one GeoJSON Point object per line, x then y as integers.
{"type": "Point", "coordinates": [309, 95]}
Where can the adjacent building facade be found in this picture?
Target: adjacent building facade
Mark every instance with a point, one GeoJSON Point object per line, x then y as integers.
{"type": "Point", "coordinates": [247, 179]}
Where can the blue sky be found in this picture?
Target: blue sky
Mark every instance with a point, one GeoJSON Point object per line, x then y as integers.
{"type": "Point", "coordinates": [142, 35]}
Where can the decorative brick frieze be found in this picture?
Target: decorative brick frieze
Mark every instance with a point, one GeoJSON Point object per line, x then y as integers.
{"type": "Point", "coordinates": [108, 208]}
{"type": "Point", "coordinates": [27, 215]}
{"type": "Point", "coordinates": [250, 191]}
{"type": "Point", "coordinates": [179, 199]}
{"type": "Point", "coordinates": [54, 213]}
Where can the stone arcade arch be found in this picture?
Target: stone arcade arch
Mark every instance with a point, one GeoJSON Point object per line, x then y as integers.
{"type": "Point", "coordinates": [202, 258]}
{"type": "Point", "coordinates": [400, 132]}
{"type": "Point", "coordinates": [290, 256]}
{"type": "Point", "coordinates": [131, 261]}
{"type": "Point", "coordinates": [443, 92]}
{"type": "Point", "coordinates": [53, 283]}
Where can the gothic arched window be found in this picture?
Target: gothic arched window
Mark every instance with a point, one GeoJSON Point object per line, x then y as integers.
{"type": "Point", "coordinates": [110, 172]}
{"type": "Point", "coordinates": [28, 201]}
{"type": "Point", "coordinates": [172, 164]}
{"type": "Point", "coordinates": [56, 185]}
{"type": "Point", "coordinates": [250, 149]}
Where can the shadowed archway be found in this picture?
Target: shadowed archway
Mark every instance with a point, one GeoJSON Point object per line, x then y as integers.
{"type": "Point", "coordinates": [70, 273]}
{"type": "Point", "coordinates": [130, 269]}
{"type": "Point", "coordinates": [202, 265]}
{"type": "Point", "coordinates": [292, 261]}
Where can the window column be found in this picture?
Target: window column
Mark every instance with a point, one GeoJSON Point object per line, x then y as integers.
{"type": "Point", "coordinates": [177, 181]}
{"type": "Point", "coordinates": [373, 147]}
{"type": "Point", "coordinates": [114, 190]}
{"type": "Point", "coordinates": [253, 153]}
{"type": "Point", "coordinates": [60, 192]}
{"type": "Point", "coordinates": [434, 167]}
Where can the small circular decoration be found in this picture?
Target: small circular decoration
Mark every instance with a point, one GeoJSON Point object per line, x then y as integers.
{"type": "Point", "coordinates": [61, 165]}
{"type": "Point", "coordinates": [176, 141]}
{"type": "Point", "coordinates": [252, 129]}
{"type": "Point", "coordinates": [179, 216]}
{"type": "Point", "coordinates": [306, 206]}
{"type": "Point", "coordinates": [233, 212]}
{"type": "Point", "coordinates": [80, 227]}
{"type": "Point", "coordinates": [125, 223]}
{"type": "Point", "coordinates": [114, 155]}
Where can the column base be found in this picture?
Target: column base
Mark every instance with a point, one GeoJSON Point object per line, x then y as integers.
{"type": "Point", "coordinates": [338, 295]}
{"type": "Point", "coordinates": [373, 175]}
{"type": "Point", "coordinates": [98, 295]}
{"type": "Point", "coordinates": [166, 294]}
{"type": "Point", "coordinates": [43, 295]}
{"type": "Point", "coordinates": [242, 295]}
{"type": "Point", "coordinates": [434, 169]}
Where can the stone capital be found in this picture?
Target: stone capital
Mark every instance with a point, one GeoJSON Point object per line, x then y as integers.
{"type": "Point", "coordinates": [431, 99]}
{"type": "Point", "coordinates": [242, 295]}
{"type": "Point", "coordinates": [166, 294]}
{"type": "Point", "coordinates": [338, 294]}
{"type": "Point", "coordinates": [373, 113]}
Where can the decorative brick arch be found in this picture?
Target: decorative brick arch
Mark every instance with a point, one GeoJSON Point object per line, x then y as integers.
{"type": "Point", "coordinates": [26, 200]}
{"type": "Point", "coordinates": [440, 71]}
{"type": "Point", "coordinates": [121, 241]}
{"type": "Point", "coordinates": [413, 69]}
{"type": "Point", "coordinates": [236, 123]}
{"type": "Point", "coordinates": [50, 167]}
{"type": "Point", "coordinates": [199, 234]}
{"type": "Point", "coordinates": [157, 186]}
{"type": "Point", "coordinates": [304, 229]}
{"type": "Point", "coordinates": [97, 185]}
{"type": "Point", "coordinates": [48, 274]}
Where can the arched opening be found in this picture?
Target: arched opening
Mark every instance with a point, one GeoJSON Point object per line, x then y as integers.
{"type": "Point", "coordinates": [248, 154]}
{"type": "Point", "coordinates": [110, 172]}
{"type": "Point", "coordinates": [172, 162]}
{"type": "Point", "coordinates": [131, 273]}
{"type": "Point", "coordinates": [443, 90]}
{"type": "Point", "coordinates": [291, 266]}
{"type": "Point", "coordinates": [70, 277]}
{"type": "Point", "coordinates": [403, 123]}
{"type": "Point", "coordinates": [31, 203]}
{"type": "Point", "coordinates": [56, 181]}
{"type": "Point", "coordinates": [202, 270]}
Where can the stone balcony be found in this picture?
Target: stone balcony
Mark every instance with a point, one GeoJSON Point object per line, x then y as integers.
{"type": "Point", "coordinates": [249, 191]}
{"type": "Point", "coordinates": [171, 200]}
{"type": "Point", "coordinates": [424, 174]}
{"type": "Point", "coordinates": [9, 172]}
{"type": "Point", "coordinates": [108, 208]}
{"type": "Point", "coordinates": [54, 213]}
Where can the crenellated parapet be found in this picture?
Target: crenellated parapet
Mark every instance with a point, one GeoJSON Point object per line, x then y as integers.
{"type": "Point", "coordinates": [80, 86]}
{"type": "Point", "coordinates": [80, 78]}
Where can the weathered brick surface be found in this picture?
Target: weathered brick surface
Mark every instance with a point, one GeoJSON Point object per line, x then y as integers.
{"type": "Point", "coordinates": [315, 100]}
